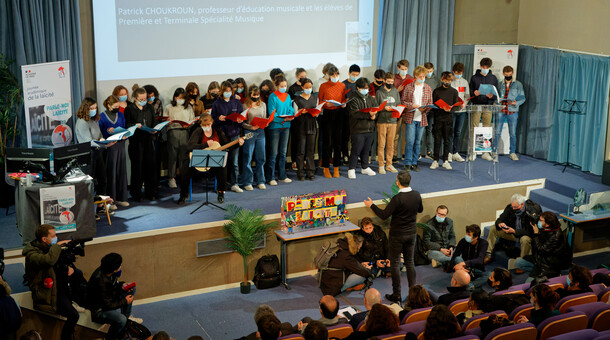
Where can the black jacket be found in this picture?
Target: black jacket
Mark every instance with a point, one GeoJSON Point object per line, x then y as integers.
{"type": "Point", "coordinates": [103, 292]}
{"type": "Point", "coordinates": [439, 235]}
{"type": "Point", "coordinates": [473, 255]}
{"type": "Point", "coordinates": [475, 83]}
{"type": "Point", "coordinates": [333, 280]}
{"type": "Point", "coordinates": [403, 208]}
{"type": "Point", "coordinates": [551, 252]}
{"type": "Point", "coordinates": [455, 293]}
{"type": "Point", "coordinates": [530, 215]}
{"type": "Point", "coordinates": [374, 247]}
{"type": "Point", "coordinates": [360, 122]}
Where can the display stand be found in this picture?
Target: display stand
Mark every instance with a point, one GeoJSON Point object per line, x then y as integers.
{"type": "Point", "coordinates": [493, 170]}
{"type": "Point", "coordinates": [571, 107]}
{"type": "Point", "coordinates": [204, 160]}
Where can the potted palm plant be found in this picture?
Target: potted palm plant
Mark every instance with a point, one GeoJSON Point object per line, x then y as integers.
{"type": "Point", "coordinates": [244, 231]}
{"type": "Point", "coordinates": [10, 100]}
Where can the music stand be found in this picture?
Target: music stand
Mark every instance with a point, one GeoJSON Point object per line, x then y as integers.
{"type": "Point", "coordinates": [208, 159]}
{"type": "Point", "coordinates": [571, 107]}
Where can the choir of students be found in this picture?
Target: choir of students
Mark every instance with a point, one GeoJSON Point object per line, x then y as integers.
{"type": "Point", "coordinates": [346, 119]}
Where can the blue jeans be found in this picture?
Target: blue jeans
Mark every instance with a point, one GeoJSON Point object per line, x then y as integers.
{"type": "Point", "coordinates": [413, 142]}
{"type": "Point", "coordinates": [437, 256]}
{"type": "Point", "coordinates": [512, 129]}
{"type": "Point", "coordinates": [352, 280]}
{"type": "Point", "coordinates": [480, 276]}
{"type": "Point", "coordinates": [458, 124]}
{"type": "Point", "coordinates": [278, 144]}
{"type": "Point", "coordinates": [116, 319]}
{"type": "Point", "coordinates": [233, 163]}
{"type": "Point", "coordinates": [524, 264]}
{"type": "Point", "coordinates": [253, 146]}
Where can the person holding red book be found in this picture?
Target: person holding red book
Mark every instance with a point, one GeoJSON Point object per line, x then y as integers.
{"type": "Point", "coordinates": [444, 97]}
{"type": "Point", "coordinates": [332, 120]}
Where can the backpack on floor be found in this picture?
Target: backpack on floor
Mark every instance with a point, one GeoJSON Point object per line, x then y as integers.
{"type": "Point", "coordinates": [267, 273]}
{"type": "Point", "coordinates": [134, 330]}
{"type": "Point", "coordinates": [420, 257]}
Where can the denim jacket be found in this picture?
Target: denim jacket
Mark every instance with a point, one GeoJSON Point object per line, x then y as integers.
{"type": "Point", "coordinates": [515, 93]}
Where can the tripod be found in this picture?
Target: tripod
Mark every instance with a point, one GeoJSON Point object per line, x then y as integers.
{"type": "Point", "coordinates": [571, 107]}
{"type": "Point", "coordinates": [204, 160]}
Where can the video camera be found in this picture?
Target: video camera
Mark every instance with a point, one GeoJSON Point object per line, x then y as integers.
{"type": "Point", "coordinates": [1, 261]}
{"type": "Point", "coordinates": [70, 250]}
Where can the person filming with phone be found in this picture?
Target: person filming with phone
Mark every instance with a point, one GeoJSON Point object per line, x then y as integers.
{"type": "Point", "coordinates": [374, 250]}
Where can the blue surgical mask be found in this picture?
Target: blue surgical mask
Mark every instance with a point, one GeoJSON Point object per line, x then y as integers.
{"type": "Point", "coordinates": [440, 219]}
{"type": "Point", "coordinates": [352, 78]}
{"type": "Point", "coordinates": [421, 81]}
{"type": "Point", "coordinates": [540, 225]}
{"type": "Point", "coordinates": [142, 103]}
{"type": "Point", "coordinates": [151, 99]}
{"type": "Point", "coordinates": [468, 238]}
{"type": "Point", "coordinates": [92, 113]}
{"type": "Point", "coordinates": [484, 70]}
{"type": "Point", "coordinates": [334, 79]}
{"type": "Point", "coordinates": [123, 98]}
{"type": "Point", "coordinates": [568, 281]}
{"type": "Point", "coordinates": [457, 76]}
{"type": "Point", "coordinates": [54, 240]}
{"type": "Point", "coordinates": [240, 89]}
{"type": "Point", "coordinates": [227, 94]}
{"type": "Point", "coordinates": [364, 92]}
{"type": "Point", "coordinates": [282, 90]}
{"type": "Point", "coordinates": [403, 72]}
{"type": "Point", "coordinates": [307, 91]}
{"type": "Point", "coordinates": [429, 75]}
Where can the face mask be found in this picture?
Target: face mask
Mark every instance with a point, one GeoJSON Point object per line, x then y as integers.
{"type": "Point", "coordinates": [403, 72]}
{"type": "Point", "coordinates": [54, 240]}
{"type": "Point", "coordinates": [421, 81]}
{"type": "Point", "coordinates": [568, 281]}
{"type": "Point", "coordinates": [92, 113]}
{"type": "Point", "coordinates": [508, 78]}
{"type": "Point", "coordinates": [207, 129]}
{"type": "Point", "coordinates": [255, 99]}
{"type": "Point", "coordinates": [388, 86]}
{"type": "Point", "coordinates": [142, 103]}
{"type": "Point", "coordinates": [540, 225]}
{"type": "Point", "coordinates": [468, 238]}
{"type": "Point", "coordinates": [302, 80]}
{"type": "Point", "coordinates": [180, 101]}
{"type": "Point", "coordinates": [352, 78]}
{"type": "Point", "coordinates": [227, 95]}
{"type": "Point", "coordinates": [364, 92]}
{"type": "Point", "coordinates": [115, 110]}
{"type": "Point", "coordinates": [334, 79]}
{"type": "Point", "coordinates": [440, 219]}
{"type": "Point", "coordinates": [214, 95]}
{"type": "Point", "coordinates": [457, 76]}
{"type": "Point", "coordinates": [490, 283]}
{"type": "Point", "coordinates": [446, 85]}
{"type": "Point", "coordinates": [282, 90]}
{"type": "Point", "coordinates": [307, 91]}
{"type": "Point", "coordinates": [240, 89]}
{"type": "Point", "coordinates": [193, 96]}
{"type": "Point", "coordinates": [484, 71]}
{"type": "Point", "coordinates": [123, 98]}
{"type": "Point", "coordinates": [429, 75]}
{"type": "Point", "coordinates": [118, 274]}
{"type": "Point", "coordinates": [151, 99]}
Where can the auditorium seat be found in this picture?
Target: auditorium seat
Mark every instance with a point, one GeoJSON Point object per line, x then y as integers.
{"type": "Point", "coordinates": [474, 321]}
{"type": "Point", "coordinates": [597, 288]}
{"type": "Point", "coordinates": [554, 285]}
{"type": "Point", "coordinates": [291, 337]}
{"type": "Point", "coordinates": [394, 336]}
{"type": "Point", "coordinates": [561, 324]}
{"type": "Point", "coordinates": [509, 291]}
{"type": "Point", "coordinates": [575, 300]}
{"type": "Point", "coordinates": [360, 326]}
{"type": "Point", "coordinates": [520, 331]}
{"type": "Point", "coordinates": [466, 337]}
{"type": "Point", "coordinates": [604, 295]}
{"type": "Point", "coordinates": [458, 306]}
{"type": "Point", "coordinates": [583, 334]}
{"type": "Point", "coordinates": [416, 328]}
{"type": "Point", "coordinates": [598, 314]}
{"type": "Point", "coordinates": [600, 270]}
{"type": "Point", "coordinates": [340, 331]}
{"type": "Point", "coordinates": [416, 315]}
{"type": "Point", "coordinates": [605, 335]}
{"type": "Point", "coordinates": [521, 310]}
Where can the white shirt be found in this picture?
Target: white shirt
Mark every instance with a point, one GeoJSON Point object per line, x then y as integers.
{"type": "Point", "coordinates": [418, 96]}
{"type": "Point", "coordinates": [407, 189]}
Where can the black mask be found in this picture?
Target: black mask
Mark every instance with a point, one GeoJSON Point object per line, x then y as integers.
{"type": "Point", "coordinates": [302, 80]}
{"type": "Point", "coordinates": [255, 99]}
{"type": "Point", "coordinates": [214, 95]}
{"type": "Point", "coordinates": [508, 78]}
{"type": "Point", "coordinates": [193, 96]}
{"type": "Point", "coordinates": [489, 283]}
{"type": "Point", "coordinates": [446, 85]}
{"type": "Point", "coordinates": [115, 110]}
{"type": "Point", "coordinates": [388, 86]}
{"type": "Point", "coordinates": [265, 92]}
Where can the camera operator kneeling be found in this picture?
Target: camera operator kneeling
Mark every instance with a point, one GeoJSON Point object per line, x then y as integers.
{"type": "Point", "coordinates": [49, 278]}
{"type": "Point", "coordinates": [106, 294]}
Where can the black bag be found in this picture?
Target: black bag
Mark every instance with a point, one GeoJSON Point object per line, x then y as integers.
{"type": "Point", "coordinates": [421, 250]}
{"type": "Point", "coordinates": [267, 273]}
{"type": "Point", "coordinates": [134, 330]}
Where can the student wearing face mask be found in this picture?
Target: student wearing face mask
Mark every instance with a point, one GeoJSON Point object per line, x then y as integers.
{"type": "Point", "coordinates": [122, 93]}
{"type": "Point", "coordinates": [377, 83]}
{"type": "Point", "coordinates": [154, 100]}
{"type": "Point", "coordinates": [459, 116]}
{"type": "Point", "coordinates": [295, 90]}
{"type": "Point", "coordinates": [333, 121]}
{"type": "Point", "coordinates": [402, 74]}
{"type": "Point", "coordinates": [350, 90]}
{"type": "Point", "coordinates": [192, 96]}
{"type": "Point", "coordinates": [512, 96]}
{"type": "Point", "coordinates": [87, 130]}
{"type": "Point", "coordinates": [415, 116]}
{"type": "Point", "coordinates": [544, 300]}
{"type": "Point", "coordinates": [439, 237]}
{"type": "Point", "coordinates": [305, 131]}
{"type": "Point", "coordinates": [362, 129]}
{"type": "Point", "coordinates": [470, 253]}
{"type": "Point", "coordinates": [241, 90]}
{"type": "Point", "coordinates": [278, 131]}
{"type": "Point", "coordinates": [177, 136]}
{"type": "Point", "coordinates": [116, 155]}
{"type": "Point", "coordinates": [210, 96]}
{"type": "Point", "coordinates": [221, 108]}
{"type": "Point", "coordinates": [386, 124]}
{"type": "Point", "coordinates": [320, 119]}
{"type": "Point", "coordinates": [255, 146]}
{"type": "Point", "coordinates": [482, 76]}
{"type": "Point", "coordinates": [297, 87]}
{"type": "Point", "coordinates": [427, 144]}
{"type": "Point", "coordinates": [141, 149]}
{"type": "Point", "coordinates": [267, 88]}
{"type": "Point", "coordinates": [443, 121]}
{"type": "Point", "coordinates": [325, 77]}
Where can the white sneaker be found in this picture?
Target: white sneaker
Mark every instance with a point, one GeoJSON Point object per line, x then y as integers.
{"type": "Point", "coordinates": [450, 158]}
{"type": "Point", "coordinates": [391, 168]}
{"type": "Point", "coordinates": [248, 187]}
{"type": "Point", "coordinates": [434, 165]}
{"type": "Point", "coordinates": [272, 182]}
{"type": "Point", "coordinates": [486, 156]}
{"type": "Point", "coordinates": [513, 156]}
{"type": "Point", "coordinates": [473, 156]}
{"type": "Point", "coordinates": [236, 188]}
{"type": "Point", "coordinates": [381, 170]}
{"type": "Point", "coordinates": [447, 166]}
{"type": "Point", "coordinates": [78, 308]}
{"type": "Point", "coordinates": [368, 171]}
{"type": "Point", "coordinates": [456, 157]}
{"type": "Point", "coordinates": [351, 173]}
{"type": "Point", "coordinates": [261, 186]}
{"type": "Point", "coordinates": [286, 180]}
{"type": "Point", "coordinates": [113, 207]}
{"type": "Point", "coordinates": [134, 319]}
{"type": "Point", "coordinates": [494, 156]}
{"type": "Point", "coordinates": [122, 203]}
{"type": "Point", "coordinates": [172, 183]}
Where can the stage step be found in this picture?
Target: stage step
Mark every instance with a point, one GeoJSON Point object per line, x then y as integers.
{"type": "Point", "coordinates": [551, 200]}
{"type": "Point", "coordinates": [560, 188]}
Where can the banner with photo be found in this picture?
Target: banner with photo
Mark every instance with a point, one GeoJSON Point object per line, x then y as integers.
{"type": "Point", "coordinates": [48, 104]}
{"type": "Point", "coordinates": [482, 139]}
{"type": "Point", "coordinates": [55, 207]}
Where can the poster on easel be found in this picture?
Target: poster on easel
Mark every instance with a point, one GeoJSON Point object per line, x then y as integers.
{"type": "Point", "coordinates": [482, 140]}
{"type": "Point", "coordinates": [312, 211]}
{"type": "Point", "coordinates": [47, 100]}
{"type": "Point", "coordinates": [55, 207]}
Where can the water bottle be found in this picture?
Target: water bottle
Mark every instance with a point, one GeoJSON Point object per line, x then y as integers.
{"type": "Point", "coordinates": [28, 179]}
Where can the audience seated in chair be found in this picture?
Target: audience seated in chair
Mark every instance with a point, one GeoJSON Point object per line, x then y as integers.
{"type": "Point", "coordinates": [481, 302]}
{"type": "Point", "coordinates": [418, 298]}
{"type": "Point", "coordinates": [441, 324]}
{"type": "Point", "coordinates": [329, 307]}
{"type": "Point", "coordinates": [500, 279]}
{"type": "Point", "coordinates": [492, 323]}
{"type": "Point", "coordinates": [269, 327]}
{"type": "Point", "coordinates": [161, 335]}
{"type": "Point", "coordinates": [381, 320]}
{"type": "Point", "coordinates": [578, 280]}
{"type": "Point", "coordinates": [315, 330]}
{"type": "Point", "coordinates": [262, 310]}
{"type": "Point", "coordinates": [459, 288]}
{"type": "Point", "coordinates": [544, 300]}
{"type": "Point", "coordinates": [371, 297]}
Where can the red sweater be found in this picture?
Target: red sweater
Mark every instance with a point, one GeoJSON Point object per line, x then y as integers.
{"type": "Point", "coordinates": [332, 91]}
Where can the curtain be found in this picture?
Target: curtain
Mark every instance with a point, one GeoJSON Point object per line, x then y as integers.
{"type": "Point", "coordinates": [537, 70]}
{"type": "Point", "coordinates": [417, 30]}
{"type": "Point", "coordinates": [581, 77]}
{"type": "Point", "coordinates": [465, 55]}
{"type": "Point", "coordinates": [40, 31]}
